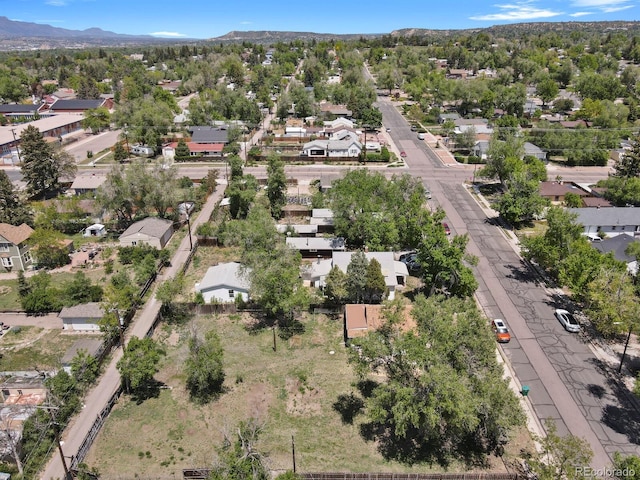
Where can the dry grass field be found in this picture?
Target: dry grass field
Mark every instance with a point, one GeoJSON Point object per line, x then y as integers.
{"type": "Point", "coordinates": [290, 391]}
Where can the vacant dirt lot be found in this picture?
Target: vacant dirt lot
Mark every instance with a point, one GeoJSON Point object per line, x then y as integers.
{"type": "Point", "coordinates": [291, 391]}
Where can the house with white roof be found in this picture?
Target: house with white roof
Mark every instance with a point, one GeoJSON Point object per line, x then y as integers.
{"type": "Point", "coordinates": [223, 282]}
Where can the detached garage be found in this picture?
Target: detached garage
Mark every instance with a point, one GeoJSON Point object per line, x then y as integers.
{"type": "Point", "coordinates": [82, 318]}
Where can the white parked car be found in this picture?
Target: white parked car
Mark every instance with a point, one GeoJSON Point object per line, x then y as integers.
{"type": "Point", "coordinates": [567, 320]}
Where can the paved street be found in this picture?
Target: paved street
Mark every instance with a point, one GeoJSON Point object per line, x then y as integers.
{"type": "Point", "coordinates": [569, 382]}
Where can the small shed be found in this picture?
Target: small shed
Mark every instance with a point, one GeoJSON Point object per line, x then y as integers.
{"type": "Point", "coordinates": [95, 230]}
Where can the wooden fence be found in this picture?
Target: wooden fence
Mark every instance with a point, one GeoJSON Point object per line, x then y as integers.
{"type": "Point", "coordinates": [203, 474]}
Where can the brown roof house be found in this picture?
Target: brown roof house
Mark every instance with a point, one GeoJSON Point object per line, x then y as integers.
{"type": "Point", "coordinates": [14, 250]}
{"type": "Point", "coordinates": [152, 231]}
{"type": "Point", "coordinates": [555, 191]}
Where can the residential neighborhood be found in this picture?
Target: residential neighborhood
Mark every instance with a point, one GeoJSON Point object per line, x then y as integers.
{"type": "Point", "coordinates": [290, 258]}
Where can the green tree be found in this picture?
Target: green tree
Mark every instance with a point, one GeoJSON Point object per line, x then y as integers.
{"type": "Point", "coordinates": [80, 290]}
{"type": "Point", "coordinates": [376, 287]}
{"type": "Point", "coordinates": [447, 399]}
{"type": "Point", "coordinates": [628, 466]}
{"type": "Point", "coordinates": [371, 210]}
{"type": "Point", "coordinates": [503, 157]}
{"type": "Point", "coordinates": [238, 457]}
{"type": "Point", "coordinates": [335, 286]}
{"type": "Point", "coordinates": [572, 200]}
{"type": "Point", "coordinates": [548, 249]}
{"type": "Point", "coordinates": [547, 89]}
{"type": "Point", "coordinates": [561, 457]}
{"type": "Point", "coordinates": [522, 201]}
{"type": "Point", "coordinates": [444, 263]}
{"type": "Point", "coordinates": [42, 165]}
{"type": "Point", "coordinates": [139, 364]}
{"type": "Point", "coordinates": [42, 297]}
{"type": "Point", "coordinates": [357, 277]}
{"type": "Point", "coordinates": [96, 119]}
{"type": "Point", "coordinates": [612, 303]}
{"type": "Point", "coordinates": [628, 165]}
{"type": "Point", "coordinates": [275, 282]}
{"type": "Point", "coordinates": [182, 151]}
{"type": "Point", "coordinates": [371, 118]}
{"type": "Point", "coordinates": [276, 185]}
{"type": "Point", "coordinates": [204, 367]}
{"type": "Point", "coordinates": [12, 210]}
{"type": "Point", "coordinates": [242, 192]}
{"type": "Point", "coordinates": [48, 248]}
{"type": "Point", "coordinates": [120, 154]}
{"type": "Point", "coordinates": [84, 367]}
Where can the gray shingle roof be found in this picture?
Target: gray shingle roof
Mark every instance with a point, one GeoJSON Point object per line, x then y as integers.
{"type": "Point", "coordinates": [84, 310]}
{"type": "Point", "coordinates": [151, 226]}
{"type": "Point", "coordinates": [19, 108]}
{"type": "Point", "coordinates": [77, 104]}
{"type": "Point", "coordinates": [617, 245]}
{"type": "Point", "coordinates": [209, 134]}
{"type": "Point", "coordinates": [607, 216]}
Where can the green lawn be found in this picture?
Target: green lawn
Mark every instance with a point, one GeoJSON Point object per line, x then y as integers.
{"type": "Point", "coordinates": [9, 298]}
{"type": "Point", "coordinates": [291, 391]}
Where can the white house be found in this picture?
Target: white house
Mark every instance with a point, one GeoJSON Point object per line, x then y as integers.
{"type": "Point", "coordinates": [95, 230]}
{"type": "Point", "coordinates": [332, 148]}
{"type": "Point", "coordinates": [611, 221]}
{"type": "Point", "coordinates": [223, 282]}
{"type": "Point", "coordinates": [151, 230]}
{"type": "Point", "coordinates": [395, 273]}
{"type": "Point", "coordinates": [83, 317]}
{"type": "Point", "coordinates": [339, 122]}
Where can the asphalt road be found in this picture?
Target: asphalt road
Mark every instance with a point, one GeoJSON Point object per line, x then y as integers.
{"type": "Point", "coordinates": [568, 382]}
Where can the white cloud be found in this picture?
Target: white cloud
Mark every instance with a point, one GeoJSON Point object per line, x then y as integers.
{"type": "Point", "coordinates": [167, 34]}
{"type": "Point", "coordinates": [605, 6]}
{"type": "Point", "coordinates": [581, 14]}
{"type": "Point", "coordinates": [616, 9]}
{"type": "Point", "coordinates": [597, 3]}
{"type": "Point", "coordinates": [517, 11]}
{"type": "Point", "coordinates": [57, 3]}
{"type": "Point", "coordinates": [246, 23]}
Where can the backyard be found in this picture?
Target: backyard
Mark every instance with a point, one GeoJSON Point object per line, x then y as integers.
{"type": "Point", "coordinates": [291, 391]}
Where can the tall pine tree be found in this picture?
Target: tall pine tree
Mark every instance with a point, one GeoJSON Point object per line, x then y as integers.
{"type": "Point", "coordinates": [12, 210]}
{"type": "Point", "coordinates": [42, 165]}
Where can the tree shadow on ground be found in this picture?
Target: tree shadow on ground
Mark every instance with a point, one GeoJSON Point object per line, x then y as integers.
{"type": "Point", "coordinates": [147, 391]}
{"type": "Point", "coordinates": [348, 406]}
{"type": "Point", "coordinates": [522, 273]}
{"type": "Point", "coordinates": [624, 417]}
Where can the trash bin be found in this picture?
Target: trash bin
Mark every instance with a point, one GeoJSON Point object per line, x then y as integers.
{"type": "Point", "coordinates": [525, 391]}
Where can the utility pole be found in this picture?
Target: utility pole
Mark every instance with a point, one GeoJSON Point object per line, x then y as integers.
{"type": "Point", "coordinates": [186, 209]}
{"type": "Point", "coordinates": [56, 433]}
{"type": "Point", "coordinates": [15, 139]}
{"type": "Point", "coordinates": [293, 453]}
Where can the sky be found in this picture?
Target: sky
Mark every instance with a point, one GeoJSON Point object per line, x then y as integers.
{"type": "Point", "coordinates": [212, 18]}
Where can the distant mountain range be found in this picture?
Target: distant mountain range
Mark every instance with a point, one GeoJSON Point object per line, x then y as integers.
{"type": "Point", "coordinates": [16, 35]}
{"type": "Point", "coordinates": [15, 29]}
